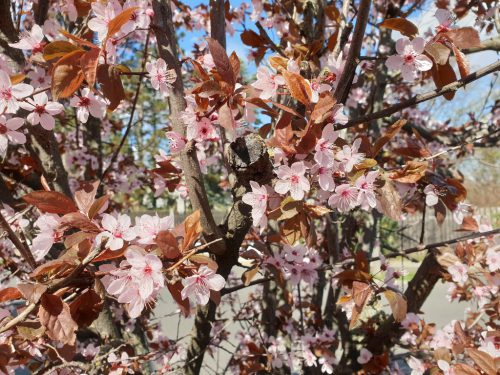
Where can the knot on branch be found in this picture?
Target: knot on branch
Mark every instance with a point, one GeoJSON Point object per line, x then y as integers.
{"type": "Point", "coordinates": [249, 160]}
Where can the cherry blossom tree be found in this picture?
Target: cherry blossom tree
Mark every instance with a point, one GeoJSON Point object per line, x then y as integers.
{"type": "Point", "coordinates": [312, 140]}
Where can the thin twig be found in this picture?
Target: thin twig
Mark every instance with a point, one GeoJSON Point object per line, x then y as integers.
{"type": "Point", "coordinates": [132, 112]}
{"type": "Point", "coordinates": [23, 248]}
{"type": "Point", "coordinates": [454, 86]}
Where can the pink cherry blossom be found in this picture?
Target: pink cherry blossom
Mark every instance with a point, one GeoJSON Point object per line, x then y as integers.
{"type": "Point", "coordinates": [9, 133]}
{"type": "Point", "coordinates": [431, 197]}
{"type": "Point", "coordinates": [416, 366]}
{"type": "Point", "coordinates": [292, 179]}
{"type": "Point", "coordinates": [325, 176]}
{"type": "Point", "coordinates": [366, 195]}
{"type": "Point", "coordinates": [201, 130]}
{"type": "Point", "coordinates": [493, 258]}
{"type": "Point", "coordinates": [458, 272]}
{"type": "Point", "coordinates": [48, 235]}
{"type": "Point", "coordinates": [42, 111]}
{"type": "Point", "coordinates": [324, 147]}
{"type": "Point", "coordinates": [409, 59]}
{"type": "Point", "coordinates": [445, 19]}
{"type": "Point", "coordinates": [87, 103]}
{"type": "Point", "coordinates": [318, 88]}
{"type": "Point", "coordinates": [117, 230]}
{"type": "Point", "coordinates": [338, 116]}
{"type": "Point", "coordinates": [146, 271]}
{"type": "Point", "coordinates": [344, 198]}
{"type": "Point", "coordinates": [39, 77]}
{"type": "Point", "coordinates": [10, 95]}
{"type": "Point", "coordinates": [148, 227]}
{"type": "Point", "coordinates": [349, 156]}
{"type": "Point", "coordinates": [162, 78]}
{"type": "Point", "coordinates": [176, 142]}
{"type": "Point", "coordinates": [199, 285]}
{"type": "Point", "coordinates": [257, 199]}
{"type": "Point", "coordinates": [364, 356]}
{"type": "Point", "coordinates": [268, 82]}
{"type": "Point", "coordinates": [460, 211]}
{"type": "Point", "coordinates": [31, 40]}
{"type": "Point", "coordinates": [104, 13]}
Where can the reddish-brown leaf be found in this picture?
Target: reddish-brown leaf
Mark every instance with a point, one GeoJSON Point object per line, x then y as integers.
{"type": "Point", "coordinates": [80, 221]}
{"type": "Point", "coordinates": [168, 245]}
{"type": "Point", "coordinates": [58, 48]}
{"type": "Point", "coordinates": [88, 62]}
{"type": "Point", "coordinates": [86, 308]}
{"type": "Point", "coordinates": [390, 133]}
{"type": "Point", "coordinates": [109, 254]}
{"type": "Point", "coordinates": [251, 38]}
{"type": "Point", "coordinates": [55, 266]}
{"type": "Point", "coordinates": [10, 293]}
{"type": "Point", "coordinates": [465, 37]}
{"type": "Point", "coordinates": [361, 293]}
{"type": "Point", "coordinates": [402, 25]}
{"type": "Point", "coordinates": [85, 197]}
{"type": "Point", "coordinates": [175, 291]}
{"type": "Point", "coordinates": [462, 62]}
{"type": "Point", "coordinates": [235, 63]}
{"type": "Point", "coordinates": [204, 260]}
{"type": "Point", "coordinates": [443, 75]}
{"type": "Point", "coordinates": [249, 274]}
{"type": "Point", "coordinates": [79, 41]}
{"type": "Point", "coordinates": [323, 109]}
{"type": "Point", "coordinates": [226, 118]}
{"type": "Point", "coordinates": [55, 316]}
{"type": "Point", "coordinates": [398, 304]}
{"type": "Point", "coordinates": [67, 75]}
{"type": "Point", "coordinates": [464, 369]}
{"type": "Point", "coordinates": [439, 52]}
{"type": "Point", "coordinates": [98, 205]}
{"type": "Point", "coordinates": [111, 84]}
{"type": "Point", "coordinates": [221, 61]}
{"type": "Point", "coordinates": [298, 86]}
{"type": "Point", "coordinates": [116, 23]}
{"type": "Point", "coordinates": [412, 172]}
{"type": "Point", "coordinates": [192, 230]}
{"type": "Point", "coordinates": [361, 261]}
{"type": "Point", "coordinates": [51, 202]}
{"type": "Point", "coordinates": [483, 360]}
{"type": "Point", "coordinates": [32, 292]}
{"type": "Point", "coordinates": [348, 276]}
{"type": "Point", "coordinates": [390, 201]}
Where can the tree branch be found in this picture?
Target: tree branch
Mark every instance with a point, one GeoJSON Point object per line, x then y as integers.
{"type": "Point", "coordinates": [454, 86]}
{"type": "Point", "coordinates": [345, 80]}
{"type": "Point", "coordinates": [23, 249]}
{"type": "Point", "coordinates": [492, 44]}
{"type": "Point", "coordinates": [168, 49]}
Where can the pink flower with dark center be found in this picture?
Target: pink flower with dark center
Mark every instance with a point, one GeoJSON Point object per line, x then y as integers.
{"type": "Point", "coordinates": [9, 133]}
{"type": "Point", "coordinates": [10, 95]}
{"type": "Point", "coordinates": [458, 272]}
{"type": "Point", "coordinates": [268, 82]}
{"type": "Point", "coordinates": [88, 103]}
{"type": "Point", "coordinates": [146, 271]}
{"type": "Point", "coordinates": [42, 111]}
{"type": "Point", "coordinates": [199, 285]}
{"type": "Point", "coordinates": [162, 78]}
{"type": "Point", "coordinates": [116, 230]}
{"type": "Point", "coordinates": [257, 199]}
{"type": "Point", "coordinates": [366, 195]}
{"type": "Point", "coordinates": [31, 40]}
{"type": "Point", "coordinates": [409, 59]}
{"type": "Point", "coordinates": [344, 198]}
{"type": "Point", "coordinates": [292, 179]}
{"type": "Point", "coordinates": [324, 147]}
{"type": "Point", "coordinates": [349, 156]}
